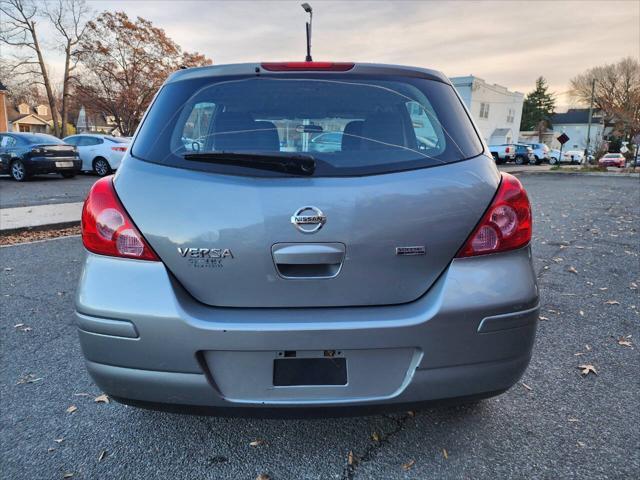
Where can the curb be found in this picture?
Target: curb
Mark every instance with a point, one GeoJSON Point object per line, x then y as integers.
{"type": "Point", "coordinates": [39, 228]}
{"type": "Point", "coordinates": [586, 174]}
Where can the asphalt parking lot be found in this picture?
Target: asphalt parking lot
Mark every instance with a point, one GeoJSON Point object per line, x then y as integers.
{"type": "Point", "coordinates": [44, 189]}
{"type": "Point", "coordinates": [556, 423]}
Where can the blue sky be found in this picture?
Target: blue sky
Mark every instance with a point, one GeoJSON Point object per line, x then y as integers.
{"type": "Point", "coordinates": [505, 42]}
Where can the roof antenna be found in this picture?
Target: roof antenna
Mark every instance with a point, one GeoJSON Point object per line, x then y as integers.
{"type": "Point", "coordinates": [309, 10]}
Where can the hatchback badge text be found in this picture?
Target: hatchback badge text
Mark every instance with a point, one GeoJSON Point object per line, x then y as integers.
{"type": "Point", "coordinates": [205, 252]}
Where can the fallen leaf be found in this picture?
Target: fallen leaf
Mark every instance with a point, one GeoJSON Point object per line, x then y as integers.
{"type": "Point", "coordinates": [527, 386]}
{"type": "Point", "coordinates": [18, 325]}
{"type": "Point", "coordinates": [101, 398]}
{"type": "Point", "coordinates": [625, 341]}
{"type": "Point", "coordinates": [102, 456]}
{"type": "Point", "coordinates": [72, 409]}
{"type": "Point", "coordinates": [50, 449]}
{"type": "Point", "coordinates": [588, 347]}
{"type": "Point", "coordinates": [612, 302]}
{"type": "Point", "coordinates": [586, 369]}
{"type": "Point", "coordinates": [633, 286]}
{"type": "Point", "coordinates": [543, 318]}
{"type": "Point", "coordinates": [263, 476]}
{"type": "Point", "coordinates": [445, 454]}
{"type": "Point", "coordinates": [572, 270]}
{"type": "Point", "coordinates": [375, 437]}
{"type": "Point", "coordinates": [408, 465]}
{"type": "Point", "coordinates": [81, 394]}
{"type": "Point", "coordinates": [580, 444]}
{"type": "Point", "coordinates": [68, 475]}
{"type": "Point", "coordinates": [258, 442]}
{"type": "Point", "coordinates": [28, 378]}
{"type": "Point", "coordinates": [603, 289]}
{"type": "Point", "coordinates": [59, 440]}
{"type": "Point", "coordinates": [8, 269]}
{"type": "Point", "coordinates": [411, 413]}
{"type": "Point", "coordinates": [581, 313]}
{"type": "Point", "coordinates": [351, 458]}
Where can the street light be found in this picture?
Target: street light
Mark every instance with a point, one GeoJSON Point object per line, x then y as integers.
{"type": "Point", "coordinates": [307, 8]}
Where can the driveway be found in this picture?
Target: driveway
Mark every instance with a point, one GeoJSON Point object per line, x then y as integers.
{"type": "Point", "coordinates": [555, 423]}
{"type": "Point", "coordinates": [44, 189]}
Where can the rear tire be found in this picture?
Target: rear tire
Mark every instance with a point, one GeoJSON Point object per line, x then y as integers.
{"type": "Point", "coordinates": [553, 161]}
{"type": "Point", "coordinates": [18, 171]}
{"type": "Point", "coordinates": [519, 160]}
{"type": "Point", "coordinates": [101, 167]}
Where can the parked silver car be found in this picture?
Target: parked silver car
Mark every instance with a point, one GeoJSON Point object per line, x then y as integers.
{"type": "Point", "coordinates": [382, 273]}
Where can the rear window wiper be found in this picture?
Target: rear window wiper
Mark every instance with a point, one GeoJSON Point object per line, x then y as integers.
{"type": "Point", "coordinates": [292, 163]}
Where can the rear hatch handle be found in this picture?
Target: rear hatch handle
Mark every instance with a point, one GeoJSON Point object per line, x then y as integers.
{"type": "Point", "coordinates": [308, 260]}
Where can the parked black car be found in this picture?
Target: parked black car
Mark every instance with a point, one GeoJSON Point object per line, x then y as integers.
{"type": "Point", "coordinates": [26, 154]}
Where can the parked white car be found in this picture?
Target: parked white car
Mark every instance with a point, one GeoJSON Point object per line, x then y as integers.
{"type": "Point", "coordinates": [571, 156]}
{"type": "Point", "coordinates": [540, 152]}
{"type": "Point", "coordinates": [101, 154]}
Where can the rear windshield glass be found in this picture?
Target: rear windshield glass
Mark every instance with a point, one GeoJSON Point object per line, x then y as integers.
{"type": "Point", "coordinates": [351, 125]}
{"type": "Point", "coordinates": [42, 138]}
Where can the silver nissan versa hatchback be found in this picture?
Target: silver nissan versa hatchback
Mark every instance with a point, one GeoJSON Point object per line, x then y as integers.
{"type": "Point", "coordinates": [233, 262]}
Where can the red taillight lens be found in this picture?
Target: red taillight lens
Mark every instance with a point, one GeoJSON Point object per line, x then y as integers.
{"type": "Point", "coordinates": [107, 228]}
{"type": "Point", "coordinates": [300, 66]}
{"type": "Point", "coordinates": [507, 223]}
{"type": "Point", "coordinates": [119, 149]}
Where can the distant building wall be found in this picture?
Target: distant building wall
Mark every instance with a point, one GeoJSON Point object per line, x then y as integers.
{"type": "Point", "coordinates": [577, 134]}
{"type": "Point", "coordinates": [496, 110]}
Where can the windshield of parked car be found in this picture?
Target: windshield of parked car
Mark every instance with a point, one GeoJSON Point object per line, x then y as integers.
{"type": "Point", "coordinates": [351, 125]}
{"type": "Point", "coordinates": [42, 138]}
{"type": "Point", "coordinates": [612, 155]}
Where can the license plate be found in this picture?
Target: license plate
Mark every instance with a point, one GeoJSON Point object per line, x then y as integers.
{"type": "Point", "coordinates": [64, 164]}
{"type": "Point", "coordinates": [289, 372]}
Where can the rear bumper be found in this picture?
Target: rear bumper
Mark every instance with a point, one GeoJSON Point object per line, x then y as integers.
{"type": "Point", "coordinates": [48, 165]}
{"type": "Point", "coordinates": [145, 339]}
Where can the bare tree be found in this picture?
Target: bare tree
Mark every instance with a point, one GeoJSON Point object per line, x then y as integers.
{"type": "Point", "coordinates": [69, 17]}
{"type": "Point", "coordinates": [617, 93]}
{"type": "Point", "coordinates": [18, 30]}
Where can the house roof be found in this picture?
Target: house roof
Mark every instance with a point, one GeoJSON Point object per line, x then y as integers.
{"type": "Point", "coordinates": [500, 132]}
{"type": "Point", "coordinates": [14, 114]}
{"type": "Point", "coordinates": [575, 115]}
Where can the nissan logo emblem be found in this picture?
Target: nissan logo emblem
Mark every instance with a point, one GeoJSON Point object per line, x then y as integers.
{"type": "Point", "coordinates": [308, 219]}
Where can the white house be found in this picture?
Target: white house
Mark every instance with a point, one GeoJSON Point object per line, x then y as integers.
{"type": "Point", "coordinates": [575, 123]}
{"type": "Point", "coordinates": [495, 109]}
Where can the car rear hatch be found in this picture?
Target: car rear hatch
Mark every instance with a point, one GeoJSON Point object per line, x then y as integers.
{"type": "Point", "coordinates": [376, 223]}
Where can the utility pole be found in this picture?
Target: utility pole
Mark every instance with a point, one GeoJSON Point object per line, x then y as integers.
{"type": "Point", "coordinates": [586, 150]}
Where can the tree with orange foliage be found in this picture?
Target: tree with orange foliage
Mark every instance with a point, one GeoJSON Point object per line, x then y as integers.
{"type": "Point", "coordinates": [124, 62]}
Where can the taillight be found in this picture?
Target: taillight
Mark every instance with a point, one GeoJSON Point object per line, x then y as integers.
{"type": "Point", "coordinates": [506, 225]}
{"type": "Point", "coordinates": [507, 150]}
{"type": "Point", "coordinates": [119, 149]}
{"type": "Point", "coordinates": [107, 228]}
{"type": "Point", "coordinates": [301, 66]}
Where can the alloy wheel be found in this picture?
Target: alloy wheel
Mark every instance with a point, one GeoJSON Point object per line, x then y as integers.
{"type": "Point", "coordinates": [101, 167]}
{"type": "Point", "coordinates": [17, 171]}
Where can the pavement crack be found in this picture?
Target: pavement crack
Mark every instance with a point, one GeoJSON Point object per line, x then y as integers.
{"type": "Point", "coordinates": [351, 468]}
